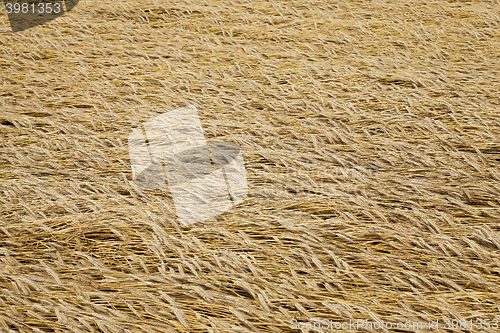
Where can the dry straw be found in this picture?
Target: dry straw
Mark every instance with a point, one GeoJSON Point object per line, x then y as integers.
{"type": "Point", "coordinates": [371, 139]}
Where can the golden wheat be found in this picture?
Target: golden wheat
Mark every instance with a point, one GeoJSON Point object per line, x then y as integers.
{"type": "Point", "coordinates": [371, 139]}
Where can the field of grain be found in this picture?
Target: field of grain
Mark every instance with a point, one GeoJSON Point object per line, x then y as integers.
{"type": "Point", "coordinates": [371, 137]}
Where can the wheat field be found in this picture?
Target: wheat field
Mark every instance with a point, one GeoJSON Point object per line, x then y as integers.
{"type": "Point", "coordinates": [370, 132]}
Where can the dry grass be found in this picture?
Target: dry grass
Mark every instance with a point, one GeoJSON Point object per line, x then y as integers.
{"type": "Point", "coordinates": [371, 137]}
